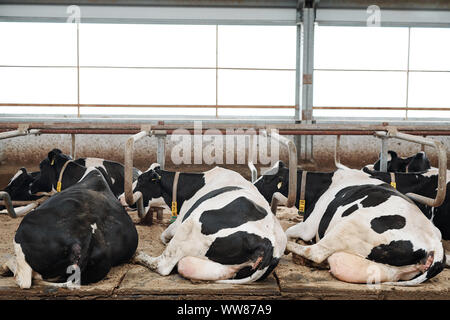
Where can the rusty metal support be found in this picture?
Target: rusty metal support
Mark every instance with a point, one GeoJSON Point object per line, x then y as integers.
{"type": "Point", "coordinates": [442, 156]}
{"type": "Point", "coordinates": [130, 197]}
{"type": "Point", "coordinates": [337, 151]}
{"type": "Point", "coordinates": [22, 130]}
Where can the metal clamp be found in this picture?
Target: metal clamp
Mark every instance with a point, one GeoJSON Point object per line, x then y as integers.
{"type": "Point", "coordinates": [442, 157]}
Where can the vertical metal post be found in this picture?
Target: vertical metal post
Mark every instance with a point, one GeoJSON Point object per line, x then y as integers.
{"type": "Point", "coordinates": [383, 155]}
{"type": "Point", "coordinates": [73, 150]}
{"type": "Point", "coordinates": [304, 79]}
{"type": "Point", "coordinates": [161, 151]}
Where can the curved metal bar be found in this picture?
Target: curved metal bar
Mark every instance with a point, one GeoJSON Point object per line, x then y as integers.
{"type": "Point", "coordinates": [442, 157]}
{"type": "Point", "coordinates": [337, 151]}
{"type": "Point", "coordinates": [8, 204]}
{"type": "Point", "coordinates": [251, 157]}
{"type": "Point", "coordinates": [292, 149]}
{"type": "Point", "coordinates": [131, 198]}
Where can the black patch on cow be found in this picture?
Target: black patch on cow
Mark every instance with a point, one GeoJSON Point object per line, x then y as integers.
{"type": "Point", "coordinates": [234, 214]}
{"type": "Point", "coordinates": [435, 269]}
{"type": "Point", "coordinates": [59, 233]}
{"type": "Point", "coordinates": [241, 247]}
{"type": "Point", "coordinates": [385, 223]}
{"type": "Point", "coordinates": [397, 253]}
{"type": "Point", "coordinates": [350, 210]}
{"type": "Point", "coordinates": [207, 196]}
{"type": "Point", "coordinates": [373, 196]}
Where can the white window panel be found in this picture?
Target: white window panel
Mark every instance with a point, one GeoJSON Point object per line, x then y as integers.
{"type": "Point", "coordinates": [147, 45]}
{"type": "Point", "coordinates": [238, 87]}
{"type": "Point", "coordinates": [257, 47]}
{"type": "Point", "coordinates": [249, 112]}
{"type": "Point", "coordinates": [360, 88]}
{"type": "Point", "coordinates": [38, 85]}
{"type": "Point", "coordinates": [144, 86]}
{"type": "Point", "coordinates": [430, 49]}
{"type": "Point", "coordinates": [429, 89]}
{"type": "Point", "coordinates": [361, 48]}
{"type": "Point", "coordinates": [38, 44]}
{"type": "Point", "coordinates": [105, 111]}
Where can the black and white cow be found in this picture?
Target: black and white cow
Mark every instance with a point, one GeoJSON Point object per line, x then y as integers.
{"type": "Point", "coordinates": [224, 232]}
{"type": "Point", "coordinates": [360, 225]}
{"type": "Point", "coordinates": [83, 227]}
{"type": "Point", "coordinates": [18, 187]}
{"type": "Point", "coordinates": [417, 163]}
{"type": "Point", "coordinates": [51, 167]}
{"type": "Point", "coordinates": [424, 184]}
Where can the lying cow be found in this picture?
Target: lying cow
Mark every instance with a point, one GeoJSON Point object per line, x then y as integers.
{"type": "Point", "coordinates": [73, 171]}
{"type": "Point", "coordinates": [224, 232]}
{"type": "Point", "coordinates": [83, 227]}
{"type": "Point", "coordinates": [360, 224]}
{"type": "Point", "coordinates": [417, 163]}
{"type": "Point", "coordinates": [18, 187]}
{"type": "Point", "coordinates": [424, 184]}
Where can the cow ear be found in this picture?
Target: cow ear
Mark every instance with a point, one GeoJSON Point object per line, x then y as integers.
{"type": "Point", "coordinates": [420, 155]}
{"type": "Point", "coordinates": [24, 170]}
{"type": "Point", "coordinates": [52, 155]}
{"type": "Point", "coordinates": [393, 154]}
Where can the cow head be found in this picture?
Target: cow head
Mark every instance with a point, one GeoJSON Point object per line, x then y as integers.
{"type": "Point", "coordinates": [149, 184]}
{"type": "Point", "coordinates": [49, 172]}
{"type": "Point", "coordinates": [276, 179]}
{"type": "Point", "coordinates": [416, 163]}
{"type": "Point", "coordinates": [19, 186]}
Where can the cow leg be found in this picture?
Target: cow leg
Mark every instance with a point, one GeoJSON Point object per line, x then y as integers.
{"type": "Point", "coordinates": [302, 230]}
{"type": "Point", "coordinates": [355, 269]}
{"type": "Point", "coordinates": [10, 266]}
{"type": "Point", "coordinates": [24, 273]}
{"type": "Point", "coordinates": [317, 252]}
{"type": "Point", "coordinates": [168, 234]}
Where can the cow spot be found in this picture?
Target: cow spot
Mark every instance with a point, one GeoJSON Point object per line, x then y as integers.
{"type": "Point", "coordinates": [397, 253]}
{"type": "Point", "coordinates": [350, 210]}
{"type": "Point", "coordinates": [207, 196]}
{"type": "Point", "coordinates": [234, 214]}
{"type": "Point", "coordinates": [384, 223]}
{"type": "Point", "coordinates": [241, 247]}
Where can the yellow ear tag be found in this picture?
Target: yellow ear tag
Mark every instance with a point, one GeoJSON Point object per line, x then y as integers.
{"type": "Point", "coordinates": [279, 185]}
{"type": "Point", "coordinates": [394, 185]}
{"type": "Point", "coordinates": [174, 208]}
{"type": "Point", "coordinates": [301, 206]}
{"type": "Point", "coordinates": [58, 186]}
{"type": "Point", "coordinates": [53, 162]}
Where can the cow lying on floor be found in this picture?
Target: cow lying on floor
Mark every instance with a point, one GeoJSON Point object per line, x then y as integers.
{"type": "Point", "coordinates": [417, 163]}
{"type": "Point", "coordinates": [224, 232]}
{"type": "Point", "coordinates": [83, 227]}
{"type": "Point", "coordinates": [73, 171]}
{"type": "Point", "coordinates": [424, 184]}
{"type": "Point", "coordinates": [360, 224]}
{"type": "Point", "coordinates": [18, 187]}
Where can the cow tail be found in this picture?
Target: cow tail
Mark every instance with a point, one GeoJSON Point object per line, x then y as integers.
{"type": "Point", "coordinates": [436, 267]}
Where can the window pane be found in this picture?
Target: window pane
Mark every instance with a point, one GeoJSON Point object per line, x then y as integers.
{"type": "Point", "coordinates": [38, 85]}
{"type": "Point", "coordinates": [361, 48]}
{"type": "Point", "coordinates": [143, 86]}
{"type": "Point", "coordinates": [255, 113]}
{"type": "Point", "coordinates": [256, 87]}
{"type": "Point", "coordinates": [257, 47]}
{"type": "Point", "coordinates": [429, 89]}
{"type": "Point", "coordinates": [174, 112]}
{"type": "Point", "coordinates": [147, 45]}
{"type": "Point", "coordinates": [34, 44]}
{"type": "Point", "coordinates": [360, 89]}
{"type": "Point", "coordinates": [430, 49]}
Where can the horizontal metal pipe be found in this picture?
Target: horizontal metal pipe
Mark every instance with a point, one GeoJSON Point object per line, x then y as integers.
{"type": "Point", "coordinates": [384, 108]}
{"type": "Point", "coordinates": [56, 105]}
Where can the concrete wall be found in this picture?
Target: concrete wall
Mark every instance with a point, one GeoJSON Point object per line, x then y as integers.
{"type": "Point", "coordinates": [356, 150]}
